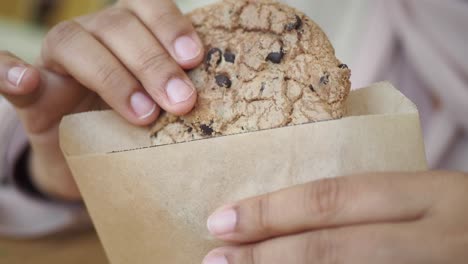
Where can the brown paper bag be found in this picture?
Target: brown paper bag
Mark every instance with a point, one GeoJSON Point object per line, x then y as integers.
{"type": "Point", "coordinates": [150, 204]}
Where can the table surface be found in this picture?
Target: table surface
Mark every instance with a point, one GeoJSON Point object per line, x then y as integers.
{"type": "Point", "coordinates": [71, 249]}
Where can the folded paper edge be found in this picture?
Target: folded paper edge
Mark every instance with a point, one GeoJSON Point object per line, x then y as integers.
{"type": "Point", "coordinates": [77, 131]}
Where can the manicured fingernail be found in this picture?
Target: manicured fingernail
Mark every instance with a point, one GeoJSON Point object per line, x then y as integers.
{"type": "Point", "coordinates": [186, 48]}
{"type": "Point", "coordinates": [215, 260]}
{"type": "Point", "coordinates": [142, 105]}
{"type": "Point", "coordinates": [16, 74]}
{"type": "Point", "coordinates": [178, 91]}
{"type": "Point", "coordinates": [222, 222]}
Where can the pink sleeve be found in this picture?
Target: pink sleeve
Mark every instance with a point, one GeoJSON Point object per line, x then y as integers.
{"type": "Point", "coordinates": [23, 215]}
{"type": "Point", "coordinates": [417, 46]}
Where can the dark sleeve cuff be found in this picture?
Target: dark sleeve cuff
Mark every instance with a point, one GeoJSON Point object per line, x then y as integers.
{"type": "Point", "coordinates": [22, 177]}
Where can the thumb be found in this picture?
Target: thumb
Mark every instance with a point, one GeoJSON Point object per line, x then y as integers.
{"type": "Point", "coordinates": [19, 81]}
{"type": "Point", "coordinates": [41, 97]}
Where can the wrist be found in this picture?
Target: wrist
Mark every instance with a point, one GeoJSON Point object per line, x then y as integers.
{"type": "Point", "coordinates": [53, 181]}
{"type": "Point", "coordinates": [22, 178]}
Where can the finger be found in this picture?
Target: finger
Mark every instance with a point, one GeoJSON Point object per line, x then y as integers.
{"type": "Point", "coordinates": [324, 203]}
{"type": "Point", "coordinates": [40, 97]}
{"type": "Point", "coordinates": [171, 28]}
{"type": "Point", "coordinates": [360, 244]}
{"type": "Point", "coordinates": [56, 96]}
{"type": "Point", "coordinates": [18, 80]}
{"type": "Point", "coordinates": [135, 46]}
{"type": "Point", "coordinates": [71, 49]}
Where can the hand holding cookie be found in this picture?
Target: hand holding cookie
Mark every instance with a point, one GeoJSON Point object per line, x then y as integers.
{"type": "Point", "coordinates": [131, 57]}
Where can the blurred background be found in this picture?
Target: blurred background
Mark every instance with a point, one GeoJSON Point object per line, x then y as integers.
{"type": "Point", "coordinates": [23, 23]}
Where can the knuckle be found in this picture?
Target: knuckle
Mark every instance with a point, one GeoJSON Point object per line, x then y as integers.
{"type": "Point", "coordinates": [152, 61]}
{"type": "Point", "coordinates": [252, 255]}
{"type": "Point", "coordinates": [170, 19]}
{"type": "Point", "coordinates": [324, 197]}
{"type": "Point", "coordinates": [163, 17]}
{"type": "Point", "coordinates": [321, 248]}
{"type": "Point", "coordinates": [112, 19]}
{"type": "Point", "coordinates": [263, 214]}
{"type": "Point", "coordinates": [109, 77]}
{"type": "Point", "coordinates": [62, 34]}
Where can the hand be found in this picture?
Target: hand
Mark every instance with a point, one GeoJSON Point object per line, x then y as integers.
{"type": "Point", "coordinates": [130, 57]}
{"type": "Point", "coordinates": [381, 218]}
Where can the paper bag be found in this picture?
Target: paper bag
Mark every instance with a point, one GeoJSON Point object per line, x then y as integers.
{"type": "Point", "coordinates": [150, 204]}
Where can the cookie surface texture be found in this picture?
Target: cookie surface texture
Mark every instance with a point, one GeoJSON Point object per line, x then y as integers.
{"type": "Point", "coordinates": [266, 65]}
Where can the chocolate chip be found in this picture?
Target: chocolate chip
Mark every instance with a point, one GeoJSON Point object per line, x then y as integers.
{"type": "Point", "coordinates": [294, 25]}
{"type": "Point", "coordinates": [343, 66]}
{"type": "Point", "coordinates": [275, 57]}
{"type": "Point", "coordinates": [311, 87]}
{"type": "Point", "coordinates": [213, 53]}
{"type": "Point", "coordinates": [206, 130]}
{"type": "Point", "coordinates": [286, 78]}
{"type": "Point", "coordinates": [223, 81]}
{"type": "Point", "coordinates": [262, 88]}
{"type": "Point", "coordinates": [229, 57]}
{"type": "Point", "coordinates": [189, 130]}
{"type": "Point", "coordinates": [325, 79]}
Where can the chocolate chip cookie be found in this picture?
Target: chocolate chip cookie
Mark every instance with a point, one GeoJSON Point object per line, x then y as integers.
{"type": "Point", "coordinates": [267, 65]}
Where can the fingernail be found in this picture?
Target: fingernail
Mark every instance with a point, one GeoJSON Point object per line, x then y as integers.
{"type": "Point", "coordinates": [223, 222]}
{"type": "Point", "coordinates": [178, 91]}
{"type": "Point", "coordinates": [215, 260]}
{"type": "Point", "coordinates": [186, 48]}
{"type": "Point", "coordinates": [16, 74]}
{"type": "Point", "coordinates": [142, 105]}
